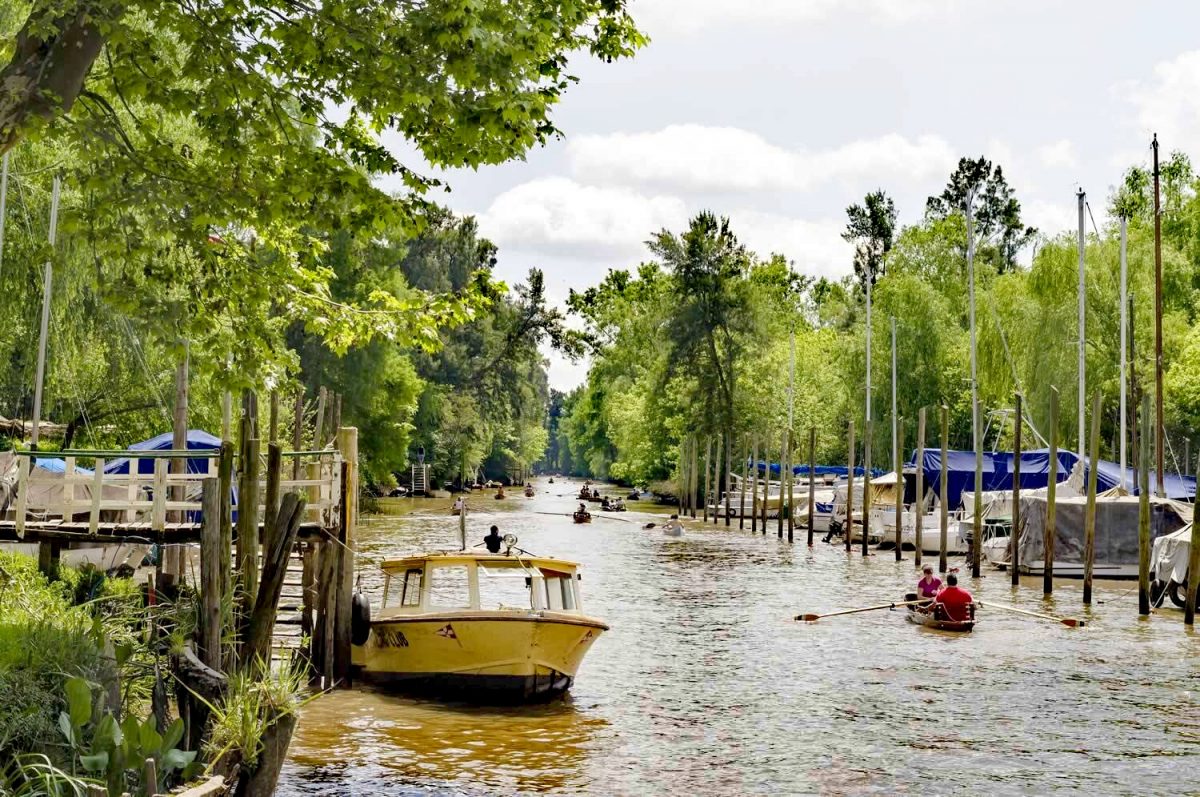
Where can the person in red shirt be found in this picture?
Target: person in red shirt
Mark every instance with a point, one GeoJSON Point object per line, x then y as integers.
{"type": "Point", "coordinates": [955, 602]}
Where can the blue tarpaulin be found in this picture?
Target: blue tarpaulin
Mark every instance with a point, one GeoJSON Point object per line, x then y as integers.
{"type": "Point", "coordinates": [839, 471]}
{"type": "Point", "coordinates": [57, 465]}
{"type": "Point", "coordinates": [196, 440]}
{"type": "Point", "coordinates": [1035, 472]}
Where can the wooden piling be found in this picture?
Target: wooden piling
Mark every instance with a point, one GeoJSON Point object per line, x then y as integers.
{"type": "Point", "coordinates": [150, 777]}
{"type": "Point", "coordinates": [1193, 578]}
{"type": "Point", "coordinates": [707, 476]}
{"type": "Point", "coordinates": [1089, 527]}
{"type": "Point", "coordinates": [899, 431]}
{"type": "Point", "coordinates": [273, 418]}
{"type": "Point", "coordinates": [247, 522]}
{"type": "Point", "coordinates": [728, 477]}
{"type": "Point", "coordinates": [716, 512]}
{"type": "Point", "coordinates": [866, 524]}
{"type": "Point", "coordinates": [791, 483]}
{"type": "Point", "coordinates": [694, 475]}
{"type": "Point", "coordinates": [1143, 479]}
{"type": "Point", "coordinates": [276, 553]}
{"type": "Point", "coordinates": [745, 476]}
{"type": "Point", "coordinates": [812, 484]}
{"type": "Point", "coordinates": [681, 477]}
{"type": "Point", "coordinates": [297, 431]}
{"type": "Point", "coordinates": [49, 555]}
{"type": "Point", "coordinates": [754, 484]}
{"type": "Point", "coordinates": [782, 484]}
{"type": "Point", "coordinates": [1051, 490]}
{"type": "Point", "coordinates": [210, 573]}
{"type": "Point", "coordinates": [307, 577]}
{"type": "Point", "coordinates": [319, 427]}
{"type": "Point", "coordinates": [225, 487]}
{"type": "Point", "coordinates": [849, 487]}
{"type": "Point", "coordinates": [1014, 535]}
{"type": "Point", "coordinates": [766, 481]}
{"type": "Point", "coordinates": [271, 502]}
{"type": "Point", "coordinates": [919, 508]}
{"type": "Point", "coordinates": [347, 443]}
{"type": "Point", "coordinates": [943, 494]}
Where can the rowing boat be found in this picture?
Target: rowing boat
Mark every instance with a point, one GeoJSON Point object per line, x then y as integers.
{"type": "Point", "coordinates": [582, 517]}
{"type": "Point", "coordinates": [936, 618]}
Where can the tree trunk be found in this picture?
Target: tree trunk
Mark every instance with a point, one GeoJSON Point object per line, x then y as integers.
{"type": "Point", "coordinates": [46, 74]}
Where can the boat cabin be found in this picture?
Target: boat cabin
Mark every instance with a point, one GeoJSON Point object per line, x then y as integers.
{"type": "Point", "coordinates": [462, 581]}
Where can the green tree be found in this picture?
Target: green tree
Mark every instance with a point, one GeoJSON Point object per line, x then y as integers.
{"type": "Point", "coordinates": [871, 227]}
{"type": "Point", "coordinates": [998, 226]}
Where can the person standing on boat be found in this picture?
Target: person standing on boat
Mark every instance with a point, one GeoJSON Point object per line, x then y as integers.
{"type": "Point", "coordinates": [929, 585]}
{"type": "Point", "coordinates": [493, 540]}
{"type": "Point", "coordinates": [954, 601]}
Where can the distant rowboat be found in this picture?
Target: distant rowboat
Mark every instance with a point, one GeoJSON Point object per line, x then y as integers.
{"type": "Point", "coordinates": [936, 619]}
{"type": "Point", "coordinates": [582, 517]}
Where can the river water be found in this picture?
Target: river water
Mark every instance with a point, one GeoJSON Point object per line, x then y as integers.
{"type": "Point", "coordinates": [706, 685]}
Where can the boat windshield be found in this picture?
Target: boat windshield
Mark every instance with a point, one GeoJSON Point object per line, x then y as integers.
{"type": "Point", "coordinates": [449, 587]}
{"type": "Point", "coordinates": [504, 587]}
{"type": "Point", "coordinates": [559, 591]}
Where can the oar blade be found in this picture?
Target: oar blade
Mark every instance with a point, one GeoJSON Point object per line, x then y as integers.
{"type": "Point", "coordinates": [1071, 622]}
{"type": "Point", "coordinates": [808, 618]}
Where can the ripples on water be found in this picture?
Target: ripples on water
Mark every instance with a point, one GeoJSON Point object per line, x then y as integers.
{"type": "Point", "coordinates": [706, 686]}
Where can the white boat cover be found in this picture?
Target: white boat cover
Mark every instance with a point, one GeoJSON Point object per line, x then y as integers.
{"type": "Point", "coordinates": [1169, 557]}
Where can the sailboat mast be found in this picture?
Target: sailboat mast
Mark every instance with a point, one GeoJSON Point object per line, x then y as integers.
{"type": "Point", "coordinates": [894, 452]}
{"type": "Point", "coordinates": [47, 278]}
{"type": "Point", "coordinates": [1081, 197]}
{"type": "Point", "coordinates": [1158, 357]}
{"type": "Point", "coordinates": [1124, 335]}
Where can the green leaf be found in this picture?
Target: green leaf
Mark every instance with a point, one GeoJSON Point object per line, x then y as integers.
{"type": "Point", "coordinates": [64, 725]}
{"type": "Point", "coordinates": [79, 700]}
{"type": "Point", "coordinates": [172, 736]}
{"type": "Point", "coordinates": [97, 762]}
{"type": "Point", "coordinates": [149, 738]}
{"type": "Point", "coordinates": [176, 759]}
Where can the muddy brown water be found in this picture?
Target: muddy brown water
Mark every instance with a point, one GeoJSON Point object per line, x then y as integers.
{"type": "Point", "coordinates": [705, 684]}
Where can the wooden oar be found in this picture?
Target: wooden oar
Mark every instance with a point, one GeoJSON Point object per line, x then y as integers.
{"type": "Point", "coordinates": [1069, 622]}
{"type": "Point", "coordinates": [810, 618]}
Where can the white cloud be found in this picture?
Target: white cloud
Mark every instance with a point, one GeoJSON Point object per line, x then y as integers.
{"type": "Point", "coordinates": [815, 247]}
{"type": "Point", "coordinates": [559, 215]}
{"type": "Point", "coordinates": [1052, 218]}
{"type": "Point", "coordinates": [690, 16]}
{"type": "Point", "coordinates": [1058, 155]}
{"type": "Point", "coordinates": [1168, 104]}
{"type": "Point", "coordinates": [693, 157]}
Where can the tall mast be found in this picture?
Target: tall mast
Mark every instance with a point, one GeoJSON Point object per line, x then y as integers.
{"type": "Point", "coordinates": [976, 442]}
{"type": "Point", "coordinates": [870, 279]}
{"type": "Point", "coordinates": [1081, 197]}
{"type": "Point", "coordinates": [47, 277]}
{"type": "Point", "coordinates": [1158, 357]}
{"type": "Point", "coordinates": [1124, 335]}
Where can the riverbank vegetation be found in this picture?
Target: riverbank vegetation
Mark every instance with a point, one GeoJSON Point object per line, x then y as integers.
{"type": "Point", "coordinates": [698, 339]}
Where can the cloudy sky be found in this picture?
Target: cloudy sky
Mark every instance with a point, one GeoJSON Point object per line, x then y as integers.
{"type": "Point", "coordinates": [780, 113]}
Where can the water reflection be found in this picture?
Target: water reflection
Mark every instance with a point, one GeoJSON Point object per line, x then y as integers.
{"type": "Point", "coordinates": [706, 686]}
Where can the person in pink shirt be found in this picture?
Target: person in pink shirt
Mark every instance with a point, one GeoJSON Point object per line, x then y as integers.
{"type": "Point", "coordinates": [928, 586]}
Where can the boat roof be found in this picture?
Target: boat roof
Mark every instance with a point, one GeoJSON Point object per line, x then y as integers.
{"type": "Point", "coordinates": [485, 559]}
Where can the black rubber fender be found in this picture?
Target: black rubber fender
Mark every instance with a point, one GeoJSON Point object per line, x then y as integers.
{"type": "Point", "coordinates": [360, 619]}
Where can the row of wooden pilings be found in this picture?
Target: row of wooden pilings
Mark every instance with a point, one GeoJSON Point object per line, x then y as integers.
{"type": "Point", "coordinates": [701, 485]}
{"type": "Point", "coordinates": [230, 569]}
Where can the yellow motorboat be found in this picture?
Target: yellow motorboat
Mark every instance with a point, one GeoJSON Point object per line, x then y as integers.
{"type": "Point", "coordinates": [504, 627]}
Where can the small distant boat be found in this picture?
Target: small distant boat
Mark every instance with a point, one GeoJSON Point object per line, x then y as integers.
{"type": "Point", "coordinates": [529, 492]}
{"type": "Point", "coordinates": [673, 528]}
{"type": "Point", "coordinates": [613, 505]}
{"type": "Point", "coordinates": [582, 517]}
{"type": "Point", "coordinates": [936, 619]}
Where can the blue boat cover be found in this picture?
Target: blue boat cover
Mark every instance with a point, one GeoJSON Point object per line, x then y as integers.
{"type": "Point", "coordinates": [839, 471]}
{"type": "Point", "coordinates": [196, 439]}
{"type": "Point", "coordinates": [1035, 473]}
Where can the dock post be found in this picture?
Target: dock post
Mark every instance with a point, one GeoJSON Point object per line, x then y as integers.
{"type": "Point", "coordinates": [812, 484]}
{"type": "Point", "coordinates": [1143, 485]}
{"type": "Point", "coordinates": [716, 513]}
{"type": "Point", "coordinates": [1089, 526]}
{"type": "Point", "coordinates": [846, 528]}
{"type": "Point", "coordinates": [707, 476]}
{"type": "Point", "coordinates": [693, 474]}
{"type": "Point", "coordinates": [297, 431]}
{"type": "Point", "coordinates": [791, 482]}
{"type": "Point", "coordinates": [866, 524]}
{"type": "Point", "coordinates": [319, 428]}
{"type": "Point", "coordinates": [943, 493]}
{"type": "Point", "coordinates": [1051, 490]}
{"type": "Point", "coordinates": [919, 509]}
{"type": "Point", "coordinates": [728, 477]}
{"type": "Point", "coordinates": [782, 481]}
{"type": "Point", "coordinates": [1014, 535]}
{"type": "Point", "coordinates": [225, 482]}
{"type": "Point", "coordinates": [49, 555]}
{"type": "Point", "coordinates": [247, 522]}
{"type": "Point", "coordinates": [898, 430]}
{"type": "Point", "coordinates": [1193, 579]}
{"type": "Point", "coordinates": [766, 480]}
{"type": "Point", "coordinates": [271, 502]}
{"type": "Point", "coordinates": [210, 573]}
{"type": "Point", "coordinates": [745, 476]}
{"type": "Point", "coordinates": [347, 443]}
{"type": "Point", "coordinates": [754, 484]}
{"type": "Point", "coordinates": [681, 477]}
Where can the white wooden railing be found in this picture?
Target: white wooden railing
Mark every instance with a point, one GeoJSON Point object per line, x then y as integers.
{"type": "Point", "coordinates": [145, 500]}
